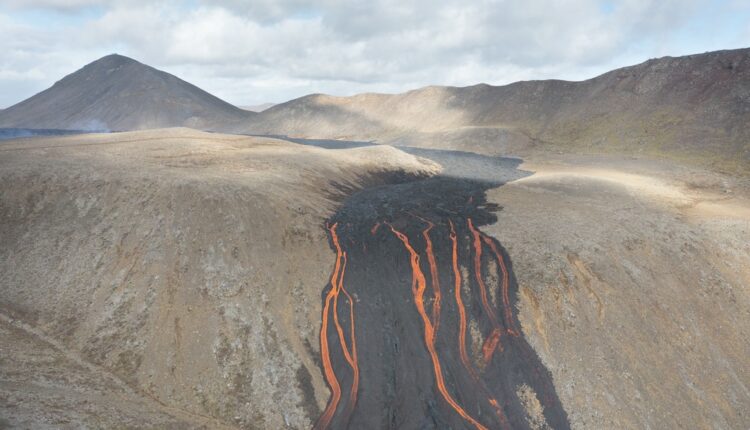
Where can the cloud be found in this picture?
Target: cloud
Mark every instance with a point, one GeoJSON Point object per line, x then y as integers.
{"type": "Point", "coordinates": [49, 4]}
{"type": "Point", "coordinates": [252, 51]}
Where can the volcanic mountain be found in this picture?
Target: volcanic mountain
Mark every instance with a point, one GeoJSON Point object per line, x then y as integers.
{"type": "Point", "coordinates": [172, 278]}
{"type": "Point", "coordinates": [119, 93]}
{"type": "Point", "coordinates": [693, 108]}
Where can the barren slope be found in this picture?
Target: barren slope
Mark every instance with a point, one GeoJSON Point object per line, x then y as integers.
{"type": "Point", "coordinates": [694, 108]}
{"type": "Point", "coordinates": [188, 265]}
{"type": "Point", "coordinates": [119, 93]}
{"type": "Point", "coordinates": [634, 289]}
{"type": "Point", "coordinates": [174, 278]}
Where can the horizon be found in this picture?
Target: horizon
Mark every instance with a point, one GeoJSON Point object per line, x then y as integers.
{"type": "Point", "coordinates": [266, 105]}
{"type": "Point", "coordinates": [290, 50]}
{"type": "Point", "coordinates": [458, 215]}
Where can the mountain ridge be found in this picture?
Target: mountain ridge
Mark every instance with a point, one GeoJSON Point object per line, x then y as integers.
{"type": "Point", "coordinates": [118, 93]}
{"type": "Point", "coordinates": [691, 107]}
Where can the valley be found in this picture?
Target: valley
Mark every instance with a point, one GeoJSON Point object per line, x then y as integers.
{"type": "Point", "coordinates": [544, 254]}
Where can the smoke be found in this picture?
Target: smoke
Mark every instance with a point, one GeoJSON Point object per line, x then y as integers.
{"type": "Point", "coordinates": [91, 126]}
{"type": "Point", "coordinates": [12, 133]}
{"type": "Point", "coordinates": [16, 133]}
{"type": "Point", "coordinates": [84, 126]}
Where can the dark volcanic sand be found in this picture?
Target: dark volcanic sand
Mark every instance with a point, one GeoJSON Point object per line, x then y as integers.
{"type": "Point", "coordinates": [399, 384]}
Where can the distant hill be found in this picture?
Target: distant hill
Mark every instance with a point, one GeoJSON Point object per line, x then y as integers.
{"type": "Point", "coordinates": [695, 107]}
{"type": "Point", "coordinates": [258, 108]}
{"type": "Point", "coordinates": [119, 93]}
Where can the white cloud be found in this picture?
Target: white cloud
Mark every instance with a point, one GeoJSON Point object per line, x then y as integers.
{"type": "Point", "coordinates": [62, 5]}
{"type": "Point", "coordinates": [251, 51]}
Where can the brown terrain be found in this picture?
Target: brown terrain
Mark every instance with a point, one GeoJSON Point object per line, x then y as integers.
{"type": "Point", "coordinates": [174, 278]}
{"type": "Point", "coordinates": [634, 289]}
{"type": "Point", "coordinates": [692, 109]}
{"type": "Point", "coordinates": [185, 267]}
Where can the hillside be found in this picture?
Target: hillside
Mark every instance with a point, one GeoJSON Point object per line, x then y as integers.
{"type": "Point", "coordinates": [178, 279]}
{"type": "Point", "coordinates": [119, 93]}
{"type": "Point", "coordinates": [188, 269]}
{"type": "Point", "coordinates": [694, 108]}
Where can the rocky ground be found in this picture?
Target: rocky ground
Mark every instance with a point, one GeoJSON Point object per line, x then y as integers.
{"type": "Point", "coordinates": [186, 265]}
{"type": "Point", "coordinates": [173, 278]}
{"type": "Point", "coordinates": [691, 109]}
{"type": "Point", "coordinates": [634, 289]}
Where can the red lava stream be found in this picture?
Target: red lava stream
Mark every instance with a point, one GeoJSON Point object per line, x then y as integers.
{"type": "Point", "coordinates": [493, 340]}
{"type": "Point", "coordinates": [337, 286]}
{"type": "Point", "coordinates": [467, 385]}
{"type": "Point", "coordinates": [462, 331]}
{"type": "Point", "coordinates": [434, 278]}
{"type": "Point", "coordinates": [505, 283]}
{"type": "Point", "coordinates": [418, 287]}
{"type": "Point", "coordinates": [436, 342]}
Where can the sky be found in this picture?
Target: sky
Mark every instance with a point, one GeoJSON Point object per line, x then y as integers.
{"type": "Point", "coordinates": [250, 52]}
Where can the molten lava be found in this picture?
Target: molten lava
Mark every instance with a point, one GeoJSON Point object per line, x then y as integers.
{"type": "Point", "coordinates": [493, 340]}
{"type": "Point", "coordinates": [461, 388]}
{"type": "Point", "coordinates": [433, 276]}
{"type": "Point", "coordinates": [510, 325]}
{"type": "Point", "coordinates": [350, 355]}
{"type": "Point", "coordinates": [459, 303]}
{"type": "Point", "coordinates": [418, 288]}
{"type": "Point", "coordinates": [462, 330]}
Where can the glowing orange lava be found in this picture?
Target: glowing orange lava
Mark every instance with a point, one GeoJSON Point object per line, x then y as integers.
{"type": "Point", "coordinates": [506, 283]}
{"type": "Point", "coordinates": [433, 276]}
{"type": "Point", "coordinates": [493, 340]}
{"type": "Point", "coordinates": [353, 363]}
{"type": "Point", "coordinates": [460, 304]}
{"type": "Point", "coordinates": [330, 375]}
{"type": "Point", "coordinates": [462, 330]}
{"type": "Point", "coordinates": [350, 355]}
{"type": "Point", "coordinates": [418, 288]}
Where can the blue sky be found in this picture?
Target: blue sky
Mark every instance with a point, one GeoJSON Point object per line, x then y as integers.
{"type": "Point", "coordinates": [250, 52]}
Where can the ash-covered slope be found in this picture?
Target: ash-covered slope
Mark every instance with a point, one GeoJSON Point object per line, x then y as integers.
{"type": "Point", "coordinates": [188, 266]}
{"type": "Point", "coordinates": [691, 107]}
{"type": "Point", "coordinates": [119, 93]}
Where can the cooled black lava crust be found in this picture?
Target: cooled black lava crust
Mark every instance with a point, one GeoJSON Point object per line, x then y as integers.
{"type": "Point", "coordinates": [385, 368]}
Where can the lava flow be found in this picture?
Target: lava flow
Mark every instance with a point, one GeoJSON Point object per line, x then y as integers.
{"type": "Point", "coordinates": [418, 287]}
{"type": "Point", "coordinates": [336, 287]}
{"type": "Point", "coordinates": [462, 331]}
{"type": "Point", "coordinates": [437, 343]}
{"type": "Point", "coordinates": [509, 324]}
{"type": "Point", "coordinates": [434, 278]}
{"type": "Point", "coordinates": [493, 340]}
